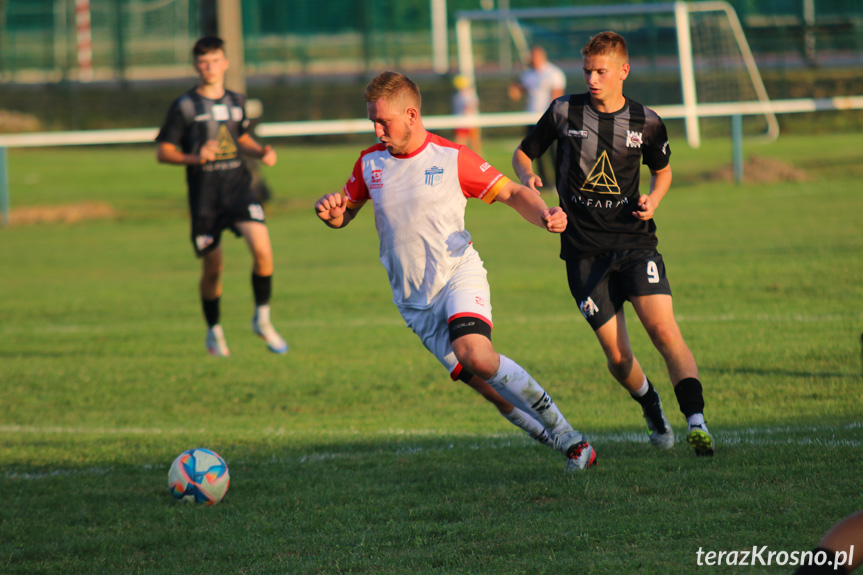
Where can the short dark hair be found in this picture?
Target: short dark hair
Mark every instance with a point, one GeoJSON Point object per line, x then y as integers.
{"type": "Point", "coordinates": [393, 86]}
{"type": "Point", "coordinates": [606, 43]}
{"type": "Point", "coordinates": [208, 44]}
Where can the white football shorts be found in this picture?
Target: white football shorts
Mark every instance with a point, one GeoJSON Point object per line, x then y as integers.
{"type": "Point", "coordinates": [466, 294]}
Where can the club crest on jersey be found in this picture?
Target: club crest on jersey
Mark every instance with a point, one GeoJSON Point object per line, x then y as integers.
{"type": "Point", "coordinates": [377, 180]}
{"type": "Point", "coordinates": [377, 175]}
{"type": "Point", "coordinates": [588, 308]}
{"type": "Point", "coordinates": [434, 176]}
{"type": "Point", "coordinates": [633, 139]}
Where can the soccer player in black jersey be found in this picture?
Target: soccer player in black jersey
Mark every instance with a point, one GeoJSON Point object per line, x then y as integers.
{"type": "Point", "coordinates": [206, 131]}
{"type": "Point", "coordinates": [609, 245]}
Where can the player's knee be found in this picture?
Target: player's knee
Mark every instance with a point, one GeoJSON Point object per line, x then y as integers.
{"type": "Point", "coordinates": [476, 356]}
{"type": "Point", "coordinates": [212, 273]}
{"type": "Point", "coordinates": [471, 343]}
{"type": "Point", "coordinates": [620, 362]}
{"type": "Point", "coordinates": [263, 256]}
{"type": "Point", "coordinates": [665, 337]}
{"type": "Point", "coordinates": [479, 360]}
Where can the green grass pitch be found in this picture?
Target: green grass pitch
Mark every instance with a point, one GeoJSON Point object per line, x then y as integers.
{"type": "Point", "coordinates": [355, 453]}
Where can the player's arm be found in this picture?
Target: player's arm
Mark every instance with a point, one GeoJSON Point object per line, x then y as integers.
{"type": "Point", "coordinates": [333, 210]}
{"type": "Point", "coordinates": [523, 167]}
{"type": "Point", "coordinates": [250, 147]}
{"type": "Point", "coordinates": [660, 182]}
{"type": "Point", "coordinates": [530, 205]}
{"type": "Point", "coordinates": [535, 143]}
{"type": "Point", "coordinates": [515, 90]}
{"type": "Point", "coordinates": [168, 153]}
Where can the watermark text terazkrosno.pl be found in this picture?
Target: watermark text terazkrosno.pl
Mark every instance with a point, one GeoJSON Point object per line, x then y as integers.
{"type": "Point", "coordinates": [764, 556]}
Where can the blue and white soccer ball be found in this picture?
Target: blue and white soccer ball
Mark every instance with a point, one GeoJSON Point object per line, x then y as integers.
{"type": "Point", "coordinates": [199, 475]}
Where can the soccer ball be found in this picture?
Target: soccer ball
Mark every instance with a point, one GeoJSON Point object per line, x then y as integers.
{"type": "Point", "coordinates": [199, 475]}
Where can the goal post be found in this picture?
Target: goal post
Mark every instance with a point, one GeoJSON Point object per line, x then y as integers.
{"type": "Point", "coordinates": [713, 59]}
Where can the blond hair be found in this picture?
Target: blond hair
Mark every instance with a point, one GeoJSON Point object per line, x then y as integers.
{"type": "Point", "coordinates": [393, 87]}
{"type": "Point", "coordinates": [606, 43]}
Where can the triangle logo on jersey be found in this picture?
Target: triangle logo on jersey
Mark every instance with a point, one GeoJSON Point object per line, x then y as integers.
{"type": "Point", "coordinates": [227, 147]}
{"type": "Point", "coordinates": [601, 178]}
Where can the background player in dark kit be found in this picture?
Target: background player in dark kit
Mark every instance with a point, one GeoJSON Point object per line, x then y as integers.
{"type": "Point", "coordinates": [610, 242]}
{"type": "Point", "coordinates": [206, 131]}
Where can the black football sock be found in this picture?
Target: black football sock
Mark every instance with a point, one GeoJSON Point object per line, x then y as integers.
{"type": "Point", "coordinates": [211, 311]}
{"type": "Point", "coordinates": [689, 397]}
{"type": "Point", "coordinates": [648, 398]}
{"type": "Point", "coordinates": [262, 287]}
{"type": "Point", "coordinates": [650, 404]}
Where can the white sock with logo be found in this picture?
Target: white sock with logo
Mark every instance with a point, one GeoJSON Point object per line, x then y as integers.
{"type": "Point", "coordinates": [533, 428]}
{"type": "Point", "coordinates": [515, 381]}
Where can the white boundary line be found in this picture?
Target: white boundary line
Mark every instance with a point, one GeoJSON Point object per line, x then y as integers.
{"type": "Point", "coordinates": [396, 322]}
{"type": "Point", "coordinates": [744, 435]}
{"type": "Point", "coordinates": [821, 436]}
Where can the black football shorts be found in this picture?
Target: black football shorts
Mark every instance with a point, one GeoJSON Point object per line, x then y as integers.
{"type": "Point", "coordinates": [600, 284]}
{"type": "Point", "coordinates": [217, 210]}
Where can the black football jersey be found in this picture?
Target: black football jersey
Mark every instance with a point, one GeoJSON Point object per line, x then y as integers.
{"type": "Point", "coordinates": [598, 165]}
{"type": "Point", "coordinates": [192, 121]}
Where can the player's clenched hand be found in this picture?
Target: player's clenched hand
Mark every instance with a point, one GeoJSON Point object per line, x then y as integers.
{"type": "Point", "coordinates": [646, 207]}
{"type": "Point", "coordinates": [555, 219]}
{"type": "Point", "coordinates": [209, 151]}
{"type": "Point", "coordinates": [331, 206]}
{"type": "Point", "coordinates": [269, 157]}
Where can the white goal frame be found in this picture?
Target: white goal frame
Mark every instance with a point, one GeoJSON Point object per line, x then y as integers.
{"type": "Point", "coordinates": [680, 10]}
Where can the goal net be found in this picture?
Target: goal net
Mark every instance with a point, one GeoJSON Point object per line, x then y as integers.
{"type": "Point", "coordinates": [691, 60]}
{"type": "Point", "coordinates": [142, 38]}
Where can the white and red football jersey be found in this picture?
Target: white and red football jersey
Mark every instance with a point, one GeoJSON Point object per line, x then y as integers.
{"type": "Point", "coordinates": [419, 202]}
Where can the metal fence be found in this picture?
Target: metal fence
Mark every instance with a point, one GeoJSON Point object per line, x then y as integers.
{"type": "Point", "coordinates": [150, 39]}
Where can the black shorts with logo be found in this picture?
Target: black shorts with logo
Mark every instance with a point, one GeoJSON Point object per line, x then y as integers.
{"type": "Point", "coordinates": [600, 284]}
{"type": "Point", "coordinates": [218, 206]}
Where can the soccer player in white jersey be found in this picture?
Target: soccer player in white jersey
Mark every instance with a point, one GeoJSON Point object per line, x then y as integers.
{"type": "Point", "coordinates": [418, 184]}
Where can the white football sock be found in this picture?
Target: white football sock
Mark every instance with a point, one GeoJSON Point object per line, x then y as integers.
{"type": "Point", "coordinates": [533, 428]}
{"type": "Point", "coordinates": [695, 419]}
{"type": "Point", "coordinates": [262, 312]}
{"type": "Point", "coordinates": [643, 389]}
{"type": "Point", "coordinates": [512, 378]}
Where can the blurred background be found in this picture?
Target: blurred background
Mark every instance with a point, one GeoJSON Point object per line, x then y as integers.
{"type": "Point", "coordinates": [309, 60]}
